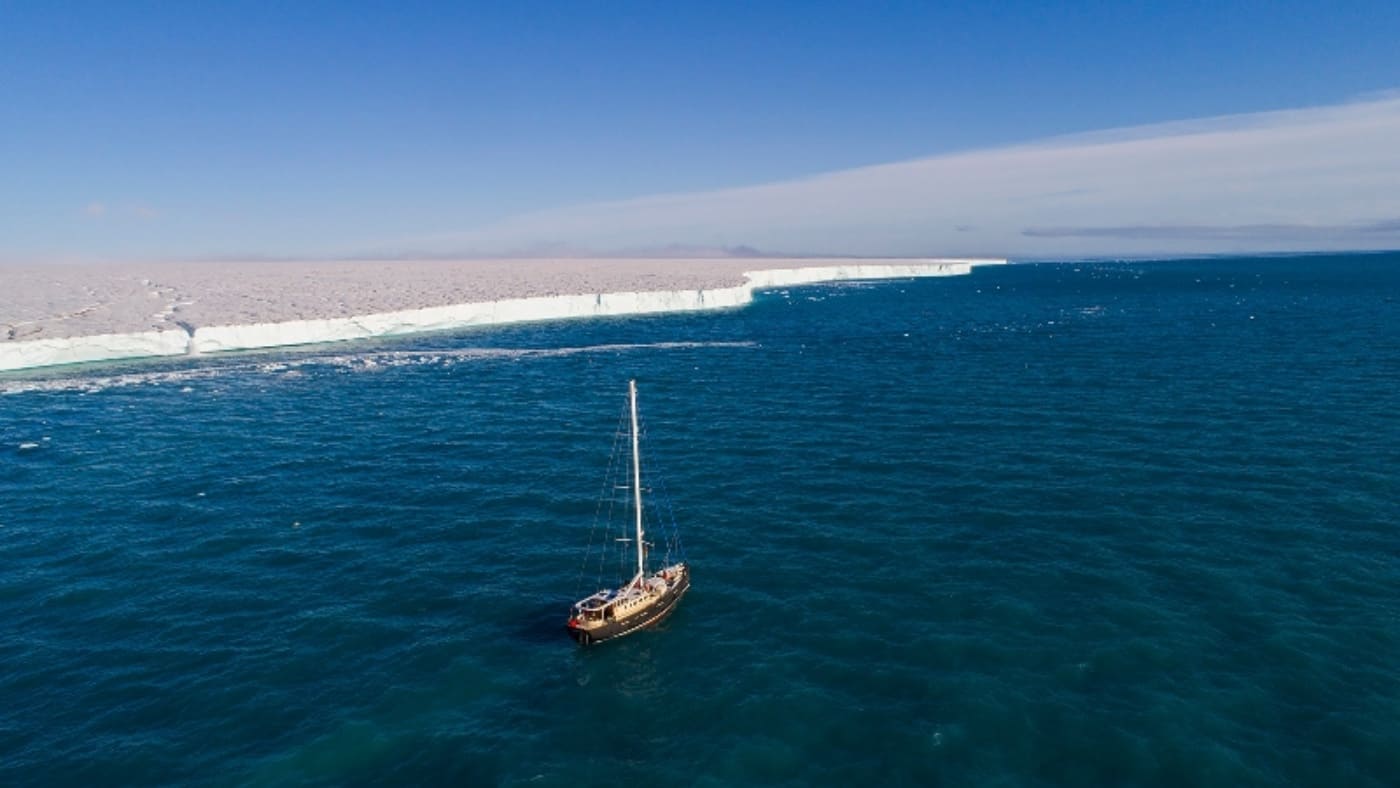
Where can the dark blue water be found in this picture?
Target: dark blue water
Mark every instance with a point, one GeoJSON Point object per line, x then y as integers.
{"type": "Point", "coordinates": [1116, 524]}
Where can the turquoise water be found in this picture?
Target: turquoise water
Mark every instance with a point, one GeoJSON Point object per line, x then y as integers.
{"type": "Point", "coordinates": [1113, 524]}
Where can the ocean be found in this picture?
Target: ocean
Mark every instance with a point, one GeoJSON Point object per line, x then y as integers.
{"type": "Point", "coordinates": [1128, 523]}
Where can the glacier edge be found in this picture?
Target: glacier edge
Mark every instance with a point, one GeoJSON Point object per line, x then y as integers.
{"type": "Point", "coordinates": [29, 354]}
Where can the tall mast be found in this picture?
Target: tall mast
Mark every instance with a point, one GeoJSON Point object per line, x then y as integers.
{"type": "Point", "coordinates": [637, 478]}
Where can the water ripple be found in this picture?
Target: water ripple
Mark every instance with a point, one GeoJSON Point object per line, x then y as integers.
{"type": "Point", "coordinates": [1040, 525]}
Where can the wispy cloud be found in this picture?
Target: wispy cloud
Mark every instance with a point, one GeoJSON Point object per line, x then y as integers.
{"type": "Point", "coordinates": [140, 210]}
{"type": "Point", "coordinates": [128, 210]}
{"type": "Point", "coordinates": [1389, 229]}
{"type": "Point", "coordinates": [1315, 178]}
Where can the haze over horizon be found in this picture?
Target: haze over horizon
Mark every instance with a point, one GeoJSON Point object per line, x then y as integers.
{"type": "Point", "coordinates": [423, 129]}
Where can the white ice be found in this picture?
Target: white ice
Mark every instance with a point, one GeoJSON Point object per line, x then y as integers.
{"type": "Point", "coordinates": [215, 339]}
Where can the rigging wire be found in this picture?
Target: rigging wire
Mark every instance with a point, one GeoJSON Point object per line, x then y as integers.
{"type": "Point", "coordinates": [659, 518]}
{"type": "Point", "coordinates": [664, 514]}
{"type": "Point", "coordinates": [610, 494]}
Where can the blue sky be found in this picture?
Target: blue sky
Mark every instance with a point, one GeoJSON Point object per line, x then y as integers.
{"type": "Point", "coordinates": [139, 130]}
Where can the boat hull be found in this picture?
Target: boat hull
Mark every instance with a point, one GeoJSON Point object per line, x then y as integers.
{"type": "Point", "coordinates": [647, 617]}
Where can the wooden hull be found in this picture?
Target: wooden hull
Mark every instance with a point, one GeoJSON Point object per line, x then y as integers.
{"type": "Point", "coordinates": [651, 615]}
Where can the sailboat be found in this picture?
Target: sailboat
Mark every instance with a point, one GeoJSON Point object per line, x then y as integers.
{"type": "Point", "coordinates": [649, 596]}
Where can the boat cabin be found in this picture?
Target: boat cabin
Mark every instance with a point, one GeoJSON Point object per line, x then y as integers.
{"type": "Point", "coordinates": [610, 605]}
{"type": "Point", "coordinates": [596, 608]}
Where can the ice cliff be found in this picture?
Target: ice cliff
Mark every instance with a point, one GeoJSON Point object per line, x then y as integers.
{"type": "Point", "coordinates": [98, 347]}
{"type": "Point", "coordinates": [213, 339]}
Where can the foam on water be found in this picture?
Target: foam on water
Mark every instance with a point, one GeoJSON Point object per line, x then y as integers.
{"type": "Point", "coordinates": [88, 382]}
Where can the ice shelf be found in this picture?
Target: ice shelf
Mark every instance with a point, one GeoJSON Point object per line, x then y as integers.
{"type": "Point", "coordinates": [214, 339]}
{"type": "Point", "coordinates": [98, 347]}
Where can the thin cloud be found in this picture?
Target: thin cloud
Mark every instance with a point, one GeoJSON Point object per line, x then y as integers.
{"type": "Point", "coordinates": [1314, 178]}
{"type": "Point", "coordinates": [1389, 229]}
{"type": "Point", "coordinates": [139, 211]}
